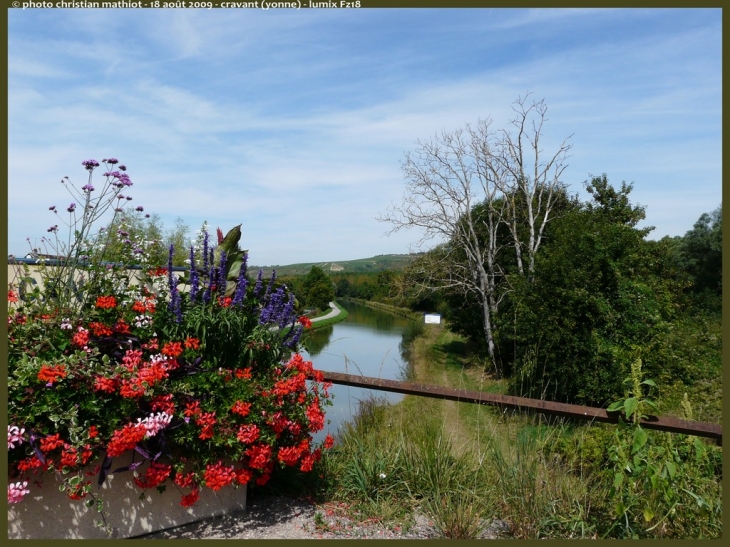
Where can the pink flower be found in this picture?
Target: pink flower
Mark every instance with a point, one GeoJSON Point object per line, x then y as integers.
{"type": "Point", "coordinates": [15, 435]}
{"type": "Point", "coordinates": [154, 423]}
{"type": "Point", "coordinates": [16, 491]}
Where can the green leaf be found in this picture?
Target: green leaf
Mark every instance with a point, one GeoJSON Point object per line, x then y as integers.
{"type": "Point", "coordinates": [640, 438]}
{"type": "Point", "coordinates": [671, 468]}
{"type": "Point", "coordinates": [648, 514]}
{"type": "Point", "coordinates": [630, 406]}
{"type": "Point", "coordinates": [618, 480]}
{"type": "Point", "coordinates": [649, 383]}
{"type": "Point", "coordinates": [618, 405]}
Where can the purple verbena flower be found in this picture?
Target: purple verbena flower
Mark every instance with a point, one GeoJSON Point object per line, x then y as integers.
{"type": "Point", "coordinates": [71, 208]}
{"type": "Point", "coordinates": [112, 161]}
{"type": "Point", "coordinates": [53, 228]}
{"type": "Point", "coordinates": [87, 188]}
{"type": "Point", "coordinates": [139, 208]}
{"type": "Point", "coordinates": [52, 208]}
{"type": "Point", "coordinates": [90, 164]}
{"type": "Point", "coordinates": [123, 167]}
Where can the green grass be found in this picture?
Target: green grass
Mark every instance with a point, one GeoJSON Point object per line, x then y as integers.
{"type": "Point", "coordinates": [467, 466]}
{"type": "Point", "coordinates": [332, 320]}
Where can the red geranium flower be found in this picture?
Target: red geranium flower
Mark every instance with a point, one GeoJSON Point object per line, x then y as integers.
{"type": "Point", "coordinates": [51, 374]}
{"type": "Point", "coordinates": [106, 302]}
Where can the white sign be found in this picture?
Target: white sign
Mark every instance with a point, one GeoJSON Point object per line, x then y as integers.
{"type": "Point", "coordinates": [433, 318]}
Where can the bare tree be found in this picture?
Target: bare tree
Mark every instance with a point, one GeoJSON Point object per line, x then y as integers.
{"type": "Point", "coordinates": [461, 187]}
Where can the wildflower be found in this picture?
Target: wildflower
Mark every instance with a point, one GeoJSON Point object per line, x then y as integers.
{"type": "Point", "coordinates": [71, 208]}
{"type": "Point", "coordinates": [15, 435]}
{"type": "Point", "coordinates": [382, 475]}
{"type": "Point", "coordinates": [52, 208]}
{"type": "Point", "coordinates": [87, 188]}
{"type": "Point", "coordinates": [112, 161]}
{"type": "Point", "coordinates": [16, 491]}
{"type": "Point", "coordinates": [90, 164]}
{"type": "Point", "coordinates": [53, 228]}
{"type": "Point", "coordinates": [139, 208]}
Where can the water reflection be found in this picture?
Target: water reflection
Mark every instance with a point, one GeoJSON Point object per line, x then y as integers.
{"type": "Point", "coordinates": [367, 343]}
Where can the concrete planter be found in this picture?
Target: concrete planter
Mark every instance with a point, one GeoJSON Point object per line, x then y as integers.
{"type": "Point", "coordinates": [47, 513]}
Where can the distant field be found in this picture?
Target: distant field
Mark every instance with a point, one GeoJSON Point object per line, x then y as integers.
{"type": "Point", "coordinates": [361, 265]}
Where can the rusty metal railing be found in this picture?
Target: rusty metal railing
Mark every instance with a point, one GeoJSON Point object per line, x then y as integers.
{"type": "Point", "coordinates": [661, 423]}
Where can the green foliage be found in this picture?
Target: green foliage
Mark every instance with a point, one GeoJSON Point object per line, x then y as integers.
{"type": "Point", "coordinates": [663, 485]}
{"type": "Point", "coordinates": [596, 297]}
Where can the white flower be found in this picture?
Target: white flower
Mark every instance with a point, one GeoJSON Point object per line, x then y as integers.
{"type": "Point", "coordinates": [382, 475]}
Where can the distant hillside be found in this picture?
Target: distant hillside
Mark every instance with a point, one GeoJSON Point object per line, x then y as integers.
{"type": "Point", "coordinates": [361, 265]}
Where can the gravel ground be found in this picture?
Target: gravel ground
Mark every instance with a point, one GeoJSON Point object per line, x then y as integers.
{"type": "Point", "coordinates": [286, 518]}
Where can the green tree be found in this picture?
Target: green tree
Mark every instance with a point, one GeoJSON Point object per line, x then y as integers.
{"type": "Point", "coordinates": [700, 253]}
{"type": "Point", "coordinates": [317, 289]}
{"type": "Point", "coordinates": [596, 301]}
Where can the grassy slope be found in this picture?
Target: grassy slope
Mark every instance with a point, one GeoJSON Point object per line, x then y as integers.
{"type": "Point", "coordinates": [361, 265]}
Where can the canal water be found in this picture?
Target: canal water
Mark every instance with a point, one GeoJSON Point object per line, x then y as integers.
{"type": "Point", "coordinates": [367, 343]}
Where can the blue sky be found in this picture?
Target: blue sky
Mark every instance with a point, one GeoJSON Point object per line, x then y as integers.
{"type": "Point", "coordinates": [295, 124]}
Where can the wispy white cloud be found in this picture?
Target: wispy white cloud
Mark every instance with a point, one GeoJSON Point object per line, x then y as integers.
{"type": "Point", "coordinates": [295, 124]}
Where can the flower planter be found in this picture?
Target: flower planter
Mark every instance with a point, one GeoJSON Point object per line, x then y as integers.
{"type": "Point", "coordinates": [47, 513]}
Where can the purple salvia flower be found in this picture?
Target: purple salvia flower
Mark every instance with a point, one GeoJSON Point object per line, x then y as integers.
{"type": "Point", "coordinates": [257, 287]}
{"type": "Point", "coordinates": [271, 283]}
{"type": "Point", "coordinates": [292, 338]}
{"type": "Point", "coordinates": [287, 314]}
{"type": "Point", "coordinates": [208, 288]}
{"type": "Point", "coordinates": [241, 284]}
{"type": "Point", "coordinates": [205, 251]}
{"type": "Point", "coordinates": [170, 283]}
{"type": "Point", "coordinates": [194, 278]}
{"type": "Point", "coordinates": [221, 282]}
